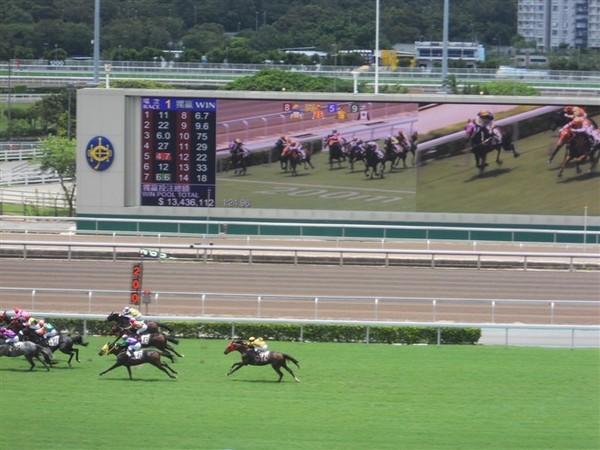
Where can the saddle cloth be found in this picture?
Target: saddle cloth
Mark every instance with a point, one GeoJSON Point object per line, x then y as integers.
{"type": "Point", "coordinates": [138, 354]}
{"type": "Point", "coordinates": [145, 338]}
{"type": "Point", "coordinates": [262, 356]}
{"type": "Point", "coordinates": [53, 341]}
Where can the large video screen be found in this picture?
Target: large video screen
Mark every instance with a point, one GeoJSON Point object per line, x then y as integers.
{"type": "Point", "coordinates": [370, 156]}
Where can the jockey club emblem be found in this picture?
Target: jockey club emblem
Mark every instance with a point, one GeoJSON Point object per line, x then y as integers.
{"type": "Point", "coordinates": [99, 153]}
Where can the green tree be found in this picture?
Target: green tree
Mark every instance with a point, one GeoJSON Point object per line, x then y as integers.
{"type": "Point", "coordinates": [280, 80]}
{"type": "Point", "coordinates": [58, 154]}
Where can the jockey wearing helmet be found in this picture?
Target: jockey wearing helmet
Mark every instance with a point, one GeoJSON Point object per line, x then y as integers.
{"type": "Point", "coordinates": [577, 125]}
{"type": "Point", "coordinates": [47, 330]}
{"type": "Point", "coordinates": [139, 326]}
{"type": "Point", "coordinates": [21, 315]}
{"type": "Point", "coordinates": [35, 324]}
{"type": "Point", "coordinates": [10, 337]}
{"type": "Point", "coordinates": [257, 344]}
{"type": "Point", "coordinates": [132, 344]}
{"type": "Point", "coordinates": [131, 313]}
{"type": "Point", "coordinates": [484, 119]}
{"type": "Point", "coordinates": [571, 112]}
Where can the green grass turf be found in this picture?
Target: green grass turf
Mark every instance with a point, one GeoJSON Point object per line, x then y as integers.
{"type": "Point", "coordinates": [351, 397]}
{"type": "Point", "coordinates": [524, 185]}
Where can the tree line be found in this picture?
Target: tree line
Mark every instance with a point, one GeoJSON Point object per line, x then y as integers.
{"type": "Point", "coordinates": [239, 30]}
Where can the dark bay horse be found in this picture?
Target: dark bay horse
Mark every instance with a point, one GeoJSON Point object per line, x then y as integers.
{"type": "Point", "coordinates": [481, 142]}
{"type": "Point", "coordinates": [123, 322]}
{"type": "Point", "coordinates": [295, 157]}
{"type": "Point", "coordinates": [374, 160]}
{"type": "Point", "coordinates": [159, 341]}
{"type": "Point", "coordinates": [580, 149]}
{"type": "Point", "coordinates": [29, 350]}
{"type": "Point", "coordinates": [145, 357]}
{"type": "Point", "coordinates": [356, 152]}
{"type": "Point", "coordinates": [277, 360]}
{"type": "Point", "coordinates": [239, 160]}
{"type": "Point", "coordinates": [66, 344]}
{"type": "Point", "coordinates": [336, 152]}
{"type": "Point", "coordinates": [502, 140]}
{"type": "Point", "coordinates": [394, 153]}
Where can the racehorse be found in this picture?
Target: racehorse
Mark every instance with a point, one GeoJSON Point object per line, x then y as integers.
{"type": "Point", "coordinates": [502, 140]}
{"type": "Point", "coordinates": [394, 153]}
{"type": "Point", "coordinates": [579, 149]}
{"type": "Point", "coordinates": [356, 152]}
{"type": "Point", "coordinates": [296, 157]}
{"type": "Point", "coordinates": [239, 160]}
{"type": "Point", "coordinates": [123, 322]}
{"type": "Point", "coordinates": [336, 152]}
{"type": "Point", "coordinates": [277, 360]}
{"type": "Point", "coordinates": [280, 145]}
{"type": "Point", "coordinates": [374, 160]}
{"type": "Point", "coordinates": [59, 342]}
{"type": "Point", "coordinates": [481, 144]}
{"type": "Point", "coordinates": [143, 357]}
{"type": "Point", "coordinates": [29, 350]}
{"type": "Point", "coordinates": [157, 340]}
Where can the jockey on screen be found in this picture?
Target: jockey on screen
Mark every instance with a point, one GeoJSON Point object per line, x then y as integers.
{"type": "Point", "coordinates": [577, 125]}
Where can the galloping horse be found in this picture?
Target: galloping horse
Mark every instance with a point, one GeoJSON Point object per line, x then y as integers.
{"type": "Point", "coordinates": [502, 140]}
{"type": "Point", "coordinates": [394, 153]}
{"type": "Point", "coordinates": [481, 144]}
{"type": "Point", "coordinates": [157, 340]}
{"type": "Point", "coordinates": [123, 322]}
{"type": "Point", "coordinates": [579, 149]}
{"type": "Point", "coordinates": [145, 356]}
{"type": "Point", "coordinates": [374, 160]}
{"type": "Point", "coordinates": [60, 342]}
{"type": "Point", "coordinates": [239, 160]}
{"type": "Point", "coordinates": [29, 350]}
{"type": "Point", "coordinates": [336, 152]}
{"type": "Point", "coordinates": [295, 157]}
{"type": "Point", "coordinates": [277, 360]}
{"type": "Point", "coordinates": [356, 152]}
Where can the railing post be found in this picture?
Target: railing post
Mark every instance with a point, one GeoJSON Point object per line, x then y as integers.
{"type": "Point", "coordinates": [571, 264]}
{"type": "Point", "coordinates": [479, 261]}
{"type": "Point", "coordinates": [249, 256]}
{"type": "Point", "coordinates": [387, 259]}
{"type": "Point", "coordinates": [258, 302]}
{"type": "Point", "coordinates": [552, 313]}
{"type": "Point", "coordinates": [506, 337]}
{"type": "Point", "coordinates": [203, 304]}
{"type": "Point", "coordinates": [376, 308]}
{"type": "Point", "coordinates": [439, 336]}
{"type": "Point", "coordinates": [524, 262]}
{"type": "Point", "coordinates": [493, 311]}
{"type": "Point", "coordinates": [24, 251]}
{"type": "Point", "coordinates": [433, 260]}
{"type": "Point", "coordinates": [316, 307]}
{"type": "Point", "coordinates": [572, 338]}
{"type": "Point", "coordinates": [115, 253]}
{"type": "Point", "coordinates": [301, 333]}
{"type": "Point", "coordinates": [90, 301]}
{"type": "Point", "coordinates": [434, 309]}
{"type": "Point", "coordinates": [367, 336]}
{"type": "Point", "coordinates": [232, 330]}
{"type": "Point", "coordinates": [341, 259]}
{"type": "Point", "coordinates": [295, 257]}
{"type": "Point", "coordinates": [33, 299]}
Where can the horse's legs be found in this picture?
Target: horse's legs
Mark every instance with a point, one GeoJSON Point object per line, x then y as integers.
{"type": "Point", "coordinates": [43, 363]}
{"type": "Point", "coordinates": [498, 152]}
{"type": "Point", "coordinates": [160, 366]}
{"type": "Point", "coordinates": [563, 165]}
{"type": "Point", "coordinates": [114, 366]}
{"type": "Point", "coordinates": [171, 349]}
{"type": "Point", "coordinates": [235, 367]}
{"type": "Point", "coordinates": [169, 367]}
{"type": "Point", "coordinates": [31, 363]}
{"type": "Point", "coordinates": [129, 372]}
{"type": "Point", "coordinates": [278, 370]}
{"type": "Point", "coordinates": [285, 366]}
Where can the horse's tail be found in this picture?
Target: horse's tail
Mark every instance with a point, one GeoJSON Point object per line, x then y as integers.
{"type": "Point", "coordinates": [292, 359]}
{"type": "Point", "coordinates": [79, 340]}
{"type": "Point", "coordinates": [166, 327]}
{"type": "Point", "coordinates": [172, 339]}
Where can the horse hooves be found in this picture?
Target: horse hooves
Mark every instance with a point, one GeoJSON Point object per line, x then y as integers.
{"type": "Point", "coordinates": [297, 380]}
{"type": "Point", "coordinates": [516, 155]}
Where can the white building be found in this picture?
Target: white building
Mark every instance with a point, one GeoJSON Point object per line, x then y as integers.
{"type": "Point", "coordinates": [427, 53]}
{"type": "Point", "coordinates": [555, 23]}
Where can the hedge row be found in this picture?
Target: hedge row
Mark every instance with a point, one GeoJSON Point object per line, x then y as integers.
{"type": "Point", "coordinates": [283, 332]}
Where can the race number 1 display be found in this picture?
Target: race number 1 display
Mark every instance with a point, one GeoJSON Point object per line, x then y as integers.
{"type": "Point", "coordinates": [178, 151]}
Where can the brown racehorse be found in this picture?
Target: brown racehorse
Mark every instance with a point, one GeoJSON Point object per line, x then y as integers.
{"type": "Point", "coordinates": [277, 360]}
{"type": "Point", "coordinates": [123, 322]}
{"type": "Point", "coordinates": [157, 340]}
{"type": "Point", "coordinates": [147, 356]}
{"type": "Point", "coordinates": [579, 149]}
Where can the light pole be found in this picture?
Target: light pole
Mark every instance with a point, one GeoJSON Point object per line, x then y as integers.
{"type": "Point", "coordinates": [376, 46]}
{"type": "Point", "coordinates": [445, 46]}
{"type": "Point", "coordinates": [9, 112]}
{"type": "Point", "coordinates": [96, 41]}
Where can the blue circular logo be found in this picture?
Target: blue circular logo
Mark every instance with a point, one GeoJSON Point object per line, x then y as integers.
{"type": "Point", "coordinates": [99, 153]}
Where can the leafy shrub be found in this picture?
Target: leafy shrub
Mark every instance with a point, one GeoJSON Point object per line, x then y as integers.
{"type": "Point", "coordinates": [290, 332]}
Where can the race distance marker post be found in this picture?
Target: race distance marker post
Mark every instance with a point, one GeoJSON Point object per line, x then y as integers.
{"type": "Point", "coordinates": [178, 151]}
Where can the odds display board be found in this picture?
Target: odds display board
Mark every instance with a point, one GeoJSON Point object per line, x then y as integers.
{"type": "Point", "coordinates": [178, 151]}
{"type": "Point", "coordinates": [198, 154]}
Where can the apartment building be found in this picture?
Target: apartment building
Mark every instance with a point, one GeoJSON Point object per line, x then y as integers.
{"type": "Point", "coordinates": [555, 23]}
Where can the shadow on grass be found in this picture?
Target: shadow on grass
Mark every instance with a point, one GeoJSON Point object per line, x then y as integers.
{"type": "Point", "coordinates": [139, 380]}
{"type": "Point", "coordinates": [489, 174]}
{"type": "Point", "coordinates": [257, 381]}
{"type": "Point", "coordinates": [298, 174]}
{"type": "Point", "coordinates": [581, 177]}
